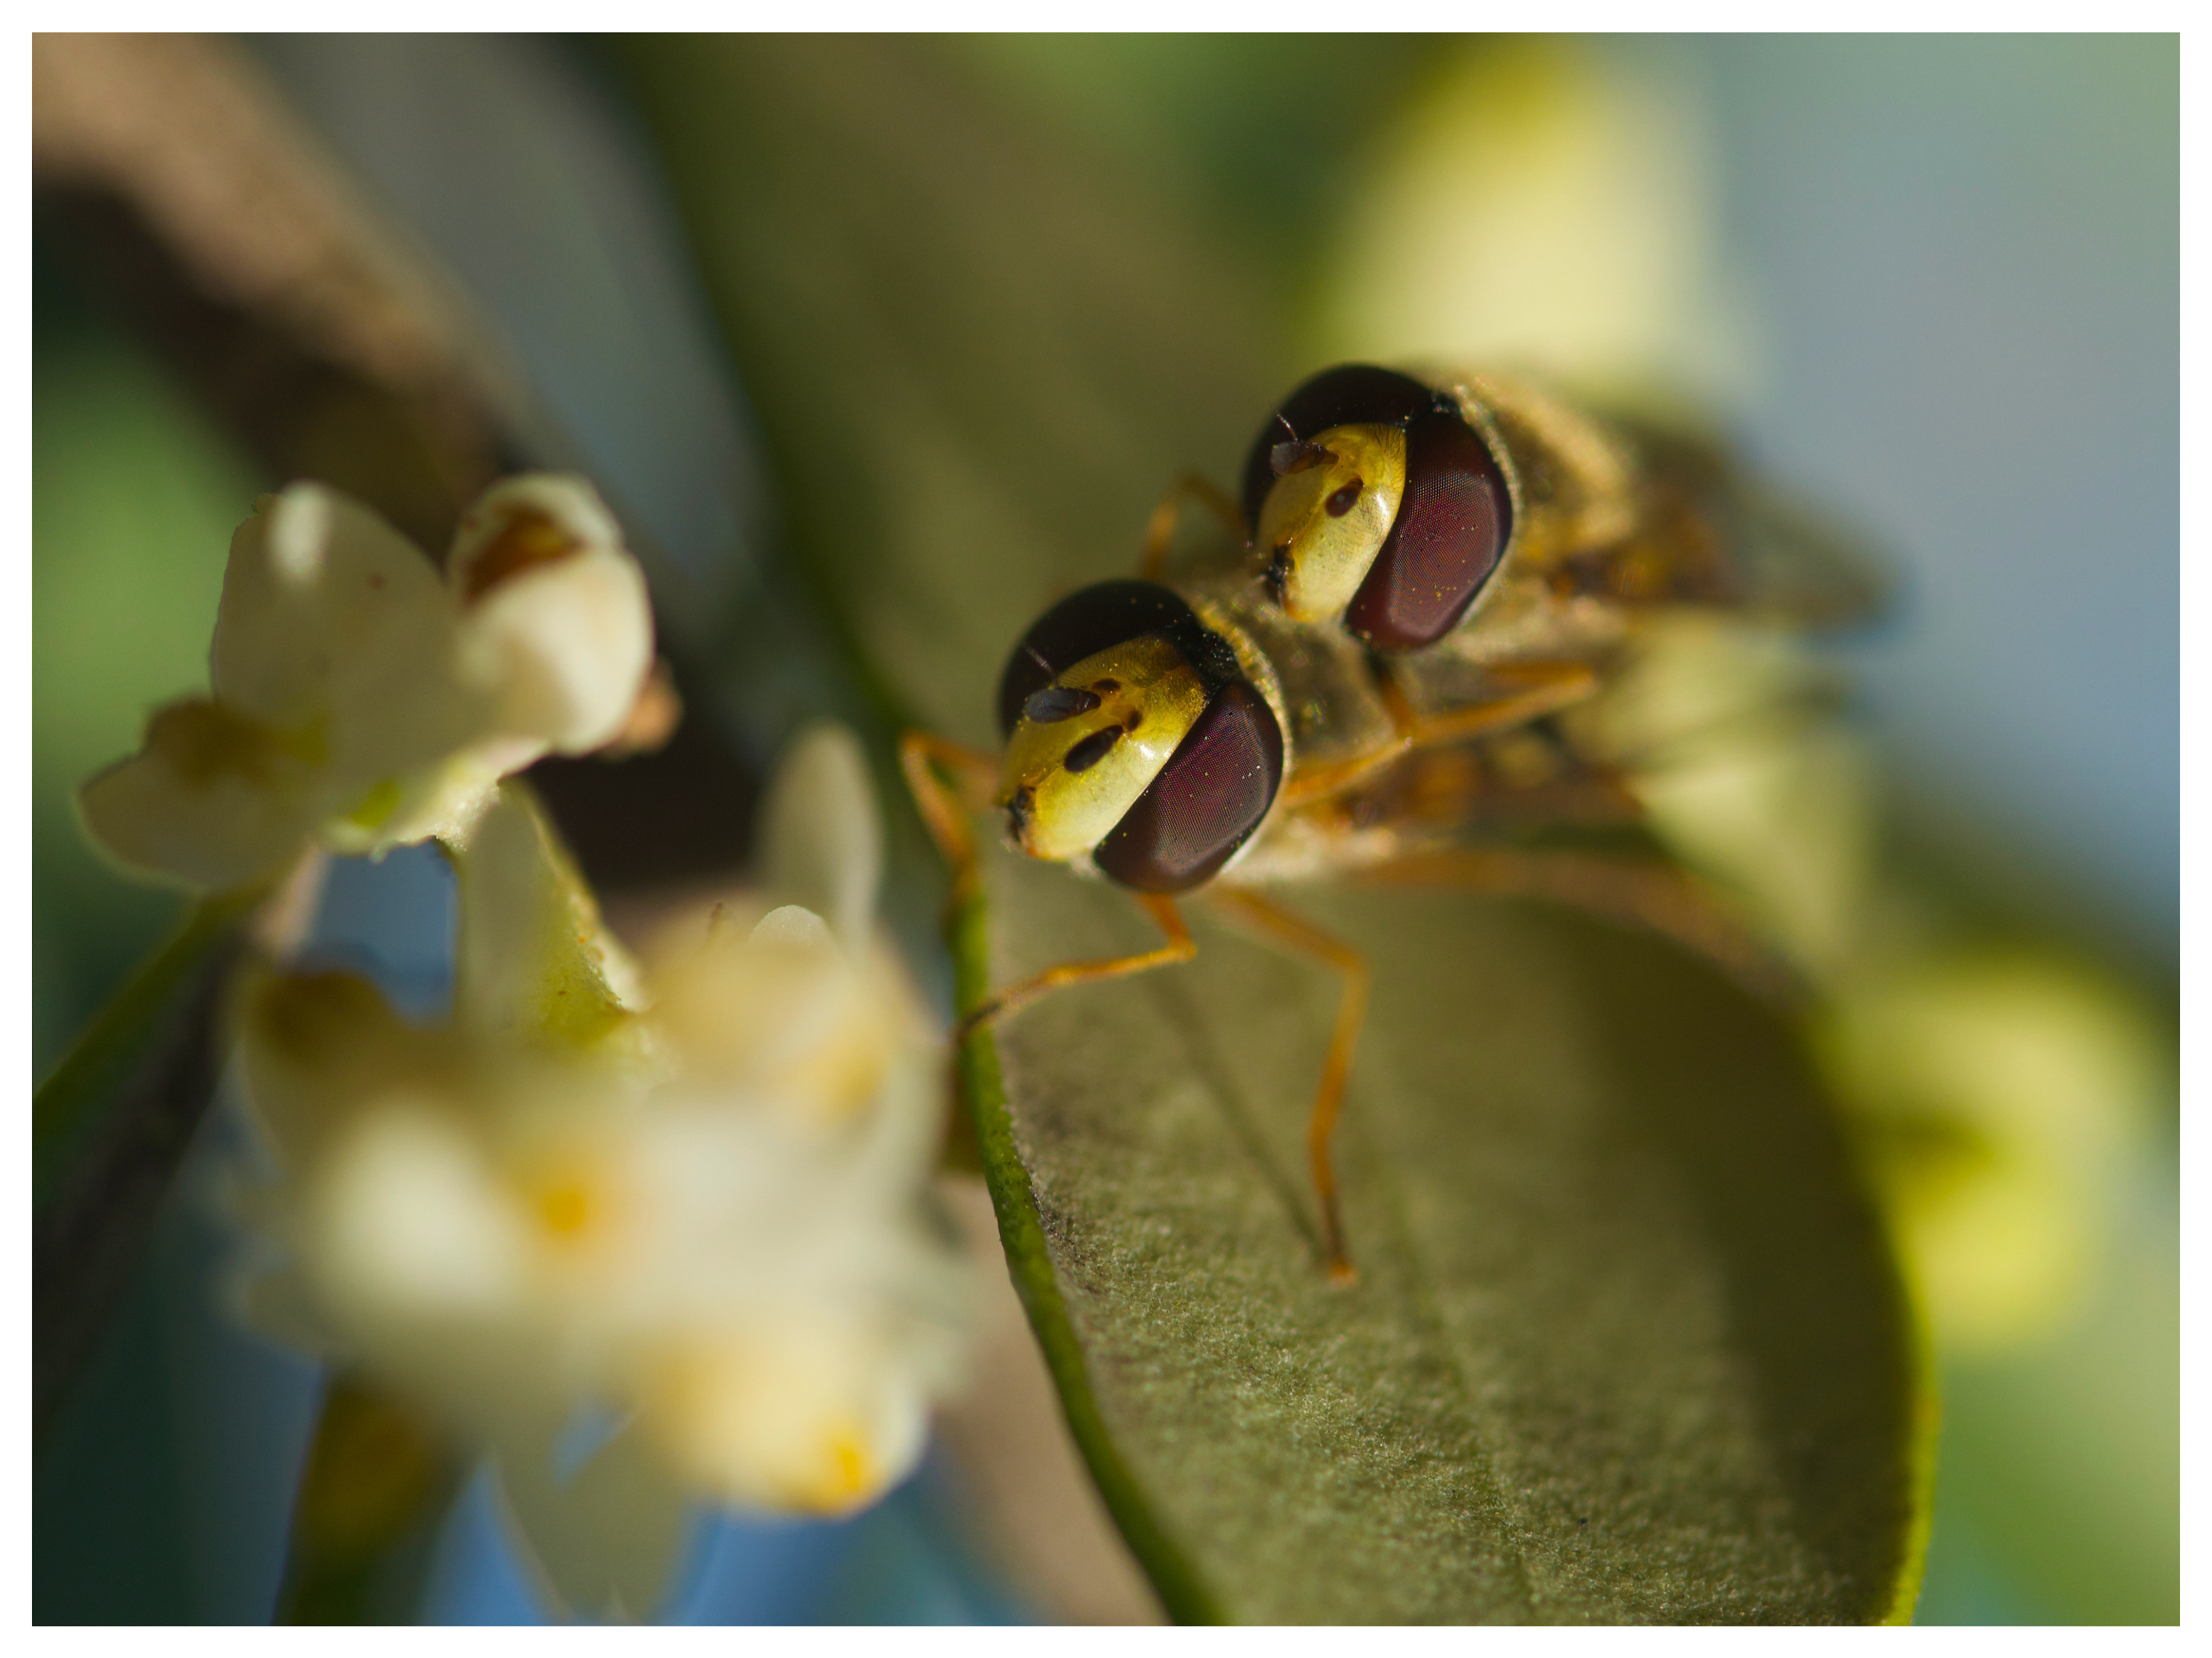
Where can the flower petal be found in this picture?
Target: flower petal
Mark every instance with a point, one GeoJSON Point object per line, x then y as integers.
{"type": "Point", "coordinates": [821, 836]}
{"type": "Point", "coordinates": [781, 1015]}
{"type": "Point", "coordinates": [213, 800]}
{"type": "Point", "coordinates": [556, 628]}
{"type": "Point", "coordinates": [316, 1047]}
{"type": "Point", "coordinates": [317, 582]}
{"type": "Point", "coordinates": [605, 1542]}
{"type": "Point", "coordinates": [801, 1415]}
{"type": "Point", "coordinates": [533, 519]}
{"type": "Point", "coordinates": [443, 801]}
{"type": "Point", "coordinates": [410, 1224]}
{"type": "Point", "coordinates": [533, 959]}
{"type": "Point", "coordinates": [562, 650]}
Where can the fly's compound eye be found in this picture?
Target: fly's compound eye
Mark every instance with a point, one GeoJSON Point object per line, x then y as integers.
{"type": "Point", "coordinates": [1206, 802]}
{"type": "Point", "coordinates": [1370, 498]}
{"type": "Point", "coordinates": [1130, 733]}
{"type": "Point", "coordinates": [1451, 530]}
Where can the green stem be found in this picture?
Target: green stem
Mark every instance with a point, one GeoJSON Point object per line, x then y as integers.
{"type": "Point", "coordinates": [109, 1130]}
{"type": "Point", "coordinates": [110, 1048]}
{"type": "Point", "coordinates": [379, 1481]}
{"type": "Point", "coordinates": [1184, 1595]}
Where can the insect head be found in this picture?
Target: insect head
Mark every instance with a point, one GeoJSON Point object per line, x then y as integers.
{"type": "Point", "coordinates": [1370, 498]}
{"type": "Point", "coordinates": [1135, 736]}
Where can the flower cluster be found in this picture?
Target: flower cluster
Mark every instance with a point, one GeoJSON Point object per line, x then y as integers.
{"type": "Point", "coordinates": [648, 1233]}
{"type": "Point", "coordinates": [362, 700]}
{"type": "Point", "coordinates": [692, 1210]}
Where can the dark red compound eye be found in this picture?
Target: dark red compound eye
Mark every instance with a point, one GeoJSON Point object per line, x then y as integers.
{"type": "Point", "coordinates": [1452, 527]}
{"type": "Point", "coordinates": [1207, 801]}
{"type": "Point", "coordinates": [1453, 522]}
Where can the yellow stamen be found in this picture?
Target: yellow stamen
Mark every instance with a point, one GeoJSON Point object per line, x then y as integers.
{"type": "Point", "coordinates": [850, 1475]}
{"type": "Point", "coordinates": [565, 1209]}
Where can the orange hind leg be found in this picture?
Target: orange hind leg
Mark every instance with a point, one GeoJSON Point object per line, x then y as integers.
{"type": "Point", "coordinates": [1643, 893]}
{"type": "Point", "coordinates": [1292, 933]}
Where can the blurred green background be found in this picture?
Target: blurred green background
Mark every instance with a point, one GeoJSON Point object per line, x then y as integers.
{"type": "Point", "coordinates": [1933, 282]}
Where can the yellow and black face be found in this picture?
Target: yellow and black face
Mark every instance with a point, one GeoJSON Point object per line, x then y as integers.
{"type": "Point", "coordinates": [1371, 501]}
{"type": "Point", "coordinates": [1092, 741]}
{"type": "Point", "coordinates": [1326, 517]}
{"type": "Point", "coordinates": [1133, 737]}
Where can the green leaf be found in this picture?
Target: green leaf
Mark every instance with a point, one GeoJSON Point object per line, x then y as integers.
{"type": "Point", "coordinates": [1628, 1343]}
{"type": "Point", "coordinates": [977, 354]}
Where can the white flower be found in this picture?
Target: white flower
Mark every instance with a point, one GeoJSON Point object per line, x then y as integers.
{"type": "Point", "coordinates": [362, 700]}
{"type": "Point", "coordinates": [688, 1202]}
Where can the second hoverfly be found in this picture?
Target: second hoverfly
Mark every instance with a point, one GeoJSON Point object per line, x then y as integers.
{"type": "Point", "coordinates": [1424, 575]}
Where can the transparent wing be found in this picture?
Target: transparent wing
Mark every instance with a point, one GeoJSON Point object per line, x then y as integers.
{"type": "Point", "coordinates": [1800, 564]}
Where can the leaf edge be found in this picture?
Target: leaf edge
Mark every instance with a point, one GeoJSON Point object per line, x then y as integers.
{"type": "Point", "coordinates": [1183, 1595]}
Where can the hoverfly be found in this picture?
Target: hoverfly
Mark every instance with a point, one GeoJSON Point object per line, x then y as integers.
{"type": "Point", "coordinates": [1370, 674]}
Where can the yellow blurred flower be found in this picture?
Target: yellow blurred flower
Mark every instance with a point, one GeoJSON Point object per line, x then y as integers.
{"type": "Point", "coordinates": [1545, 203]}
{"type": "Point", "coordinates": [362, 700]}
{"type": "Point", "coordinates": [2002, 1096]}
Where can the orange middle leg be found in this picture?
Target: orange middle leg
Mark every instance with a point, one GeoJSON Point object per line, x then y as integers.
{"type": "Point", "coordinates": [1180, 947]}
{"type": "Point", "coordinates": [1544, 688]}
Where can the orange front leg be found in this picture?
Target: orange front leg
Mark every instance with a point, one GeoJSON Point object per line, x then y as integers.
{"type": "Point", "coordinates": [946, 812]}
{"type": "Point", "coordinates": [1159, 532]}
{"type": "Point", "coordinates": [1180, 947]}
{"type": "Point", "coordinates": [923, 757]}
